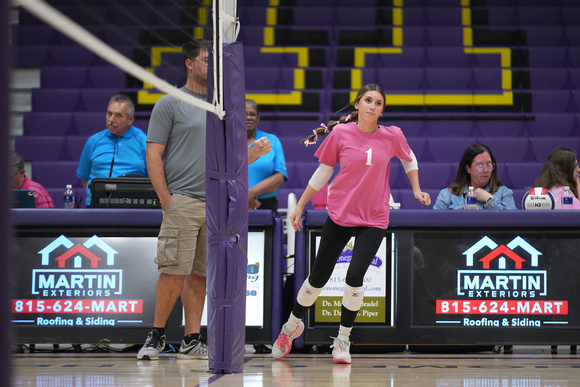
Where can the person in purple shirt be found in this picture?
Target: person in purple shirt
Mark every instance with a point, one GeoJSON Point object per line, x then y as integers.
{"type": "Point", "coordinates": [561, 170]}
{"type": "Point", "coordinates": [21, 181]}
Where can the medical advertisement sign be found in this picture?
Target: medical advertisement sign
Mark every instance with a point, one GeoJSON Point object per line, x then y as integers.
{"type": "Point", "coordinates": [376, 306]}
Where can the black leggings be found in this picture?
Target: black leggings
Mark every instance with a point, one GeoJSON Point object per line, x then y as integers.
{"type": "Point", "coordinates": [334, 238]}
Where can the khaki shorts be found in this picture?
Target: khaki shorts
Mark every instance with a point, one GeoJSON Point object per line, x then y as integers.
{"type": "Point", "coordinates": [181, 242]}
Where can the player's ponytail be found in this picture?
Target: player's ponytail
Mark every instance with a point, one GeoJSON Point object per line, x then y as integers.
{"type": "Point", "coordinates": [323, 129]}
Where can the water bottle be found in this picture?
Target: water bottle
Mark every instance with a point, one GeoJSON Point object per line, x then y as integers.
{"type": "Point", "coordinates": [471, 200]}
{"type": "Point", "coordinates": [567, 200]}
{"type": "Point", "coordinates": [68, 197]}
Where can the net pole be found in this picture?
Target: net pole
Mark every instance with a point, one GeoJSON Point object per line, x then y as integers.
{"type": "Point", "coordinates": [74, 31]}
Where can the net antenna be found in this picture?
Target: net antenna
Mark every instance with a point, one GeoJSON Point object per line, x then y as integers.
{"type": "Point", "coordinates": [225, 17]}
{"type": "Point", "coordinates": [226, 27]}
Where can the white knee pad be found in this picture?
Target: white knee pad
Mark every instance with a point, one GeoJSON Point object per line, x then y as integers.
{"type": "Point", "coordinates": [353, 297]}
{"type": "Point", "coordinates": [307, 294]}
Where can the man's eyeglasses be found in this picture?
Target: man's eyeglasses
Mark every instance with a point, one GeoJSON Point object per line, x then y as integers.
{"type": "Point", "coordinates": [482, 167]}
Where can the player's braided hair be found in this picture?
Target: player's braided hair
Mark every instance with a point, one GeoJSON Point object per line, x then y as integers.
{"type": "Point", "coordinates": [324, 129]}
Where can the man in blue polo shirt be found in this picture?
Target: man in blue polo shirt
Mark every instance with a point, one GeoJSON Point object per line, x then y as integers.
{"type": "Point", "coordinates": [116, 151]}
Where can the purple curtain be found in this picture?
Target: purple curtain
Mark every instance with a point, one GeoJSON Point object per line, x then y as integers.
{"type": "Point", "coordinates": [227, 218]}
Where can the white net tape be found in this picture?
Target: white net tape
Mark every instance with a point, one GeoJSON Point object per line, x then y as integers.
{"type": "Point", "coordinates": [227, 22]}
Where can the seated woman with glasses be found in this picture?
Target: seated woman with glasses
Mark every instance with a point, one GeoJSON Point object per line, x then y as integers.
{"type": "Point", "coordinates": [476, 169]}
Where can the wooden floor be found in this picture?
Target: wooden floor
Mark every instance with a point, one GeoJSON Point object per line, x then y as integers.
{"type": "Point", "coordinates": [528, 366]}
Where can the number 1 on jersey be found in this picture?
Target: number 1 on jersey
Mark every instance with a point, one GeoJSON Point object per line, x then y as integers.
{"type": "Point", "coordinates": [369, 156]}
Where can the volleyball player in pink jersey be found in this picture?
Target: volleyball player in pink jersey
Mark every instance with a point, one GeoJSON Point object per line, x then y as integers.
{"type": "Point", "coordinates": [358, 203]}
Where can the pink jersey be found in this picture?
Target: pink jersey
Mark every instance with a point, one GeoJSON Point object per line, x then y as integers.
{"type": "Point", "coordinates": [42, 198]}
{"type": "Point", "coordinates": [359, 195]}
{"type": "Point", "coordinates": [557, 194]}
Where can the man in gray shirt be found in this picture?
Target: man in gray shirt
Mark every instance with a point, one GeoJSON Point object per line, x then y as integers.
{"type": "Point", "coordinates": [176, 163]}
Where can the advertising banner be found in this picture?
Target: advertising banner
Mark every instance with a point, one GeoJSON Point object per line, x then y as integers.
{"type": "Point", "coordinates": [497, 280]}
{"type": "Point", "coordinates": [378, 283]}
{"type": "Point", "coordinates": [84, 281]}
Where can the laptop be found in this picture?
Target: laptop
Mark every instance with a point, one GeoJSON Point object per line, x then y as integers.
{"type": "Point", "coordinates": [23, 198]}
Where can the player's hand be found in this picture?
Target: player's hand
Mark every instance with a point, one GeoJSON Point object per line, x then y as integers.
{"type": "Point", "coordinates": [262, 146]}
{"type": "Point", "coordinates": [296, 218]}
{"type": "Point", "coordinates": [423, 197]}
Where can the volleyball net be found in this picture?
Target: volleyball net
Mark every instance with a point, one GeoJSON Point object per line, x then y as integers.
{"type": "Point", "coordinates": [143, 38]}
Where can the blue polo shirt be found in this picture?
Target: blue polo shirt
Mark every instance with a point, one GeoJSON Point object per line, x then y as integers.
{"type": "Point", "coordinates": [98, 152]}
{"type": "Point", "coordinates": [266, 165]}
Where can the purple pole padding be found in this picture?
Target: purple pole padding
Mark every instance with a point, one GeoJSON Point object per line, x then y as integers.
{"type": "Point", "coordinates": [227, 218]}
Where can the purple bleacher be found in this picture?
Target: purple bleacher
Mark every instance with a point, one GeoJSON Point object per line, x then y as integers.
{"type": "Point", "coordinates": [252, 35]}
{"type": "Point", "coordinates": [82, 124]}
{"type": "Point", "coordinates": [108, 77]}
{"type": "Point", "coordinates": [523, 175]}
{"type": "Point", "coordinates": [266, 78]}
{"type": "Point", "coordinates": [433, 35]}
{"type": "Point", "coordinates": [173, 75]}
{"type": "Point", "coordinates": [497, 128]}
{"type": "Point", "coordinates": [405, 197]}
{"type": "Point", "coordinates": [45, 35]}
{"type": "Point", "coordinates": [456, 57]}
{"type": "Point", "coordinates": [542, 146]}
{"type": "Point", "coordinates": [554, 78]}
{"type": "Point", "coordinates": [440, 16]}
{"type": "Point", "coordinates": [502, 173]}
{"type": "Point", "coordinates": [554, 56]}
{"type": "Point", "coordinates": [448, 149]}
{"type": "Point", "coordinates": [553, 36]}
{"type": "Point", "coordinates": [410, 129]}
{"type": "Point", "coordinates": [518, 194]}
{"type": "Point", "coordinates": [42, 148]}
{"type": "Point", "coordinates": [463, 79]}
{"type": "Point", "coordinates": [529, 3]}
{"type": "Point", "coordinates": [395, 79]}
{"type": "Point", "coordinates": [128, 15]}
{"type": "Point", "coordinates": [299, 173]}
{"type": "Point", "coordinates": [294, 151]}
{"type": "Point", "coordinates": [332, 16]}
{"type": "Point", "coordinates": [50, 148]}
{"type": "Point", "coordinates": [283, 196]}
{"type": "Point", "coordinates": [48, 55]}
{"type": "Point", "coordinates": [553, 101]}
{"type": "Point", "coordinates": [525, 16]}
{"type": "Point", "coordinates": [293, 130]}
{"type": "Point", "coordinates": [254, 57]}
{"type": "Point", "coordinates": [320, 3]}
{"type": "Point", "coordinates": [409, 57]}
{"type": "Point", "coordinates": [434, 175]}
{"type": "Point", "coordinates": [62, 100]}
{"type": "Point", "coordinates": [56, 174]}
{"type": "Point", "coordinates": [508, 149]}
{"type": "Point", "coordinates": [417, 145]}
{"type": "Point", "coordinates": [47, 124]}
{"type": "Point", "coordinates": [553, 125]}
{"type": "Point", "coordinates": [459, 128]}
{"type": "Point", "coordinates": [397, 175]}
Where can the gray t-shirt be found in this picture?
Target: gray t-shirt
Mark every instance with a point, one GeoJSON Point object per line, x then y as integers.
{"type": "Point", "coordinates": [181, 128]}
